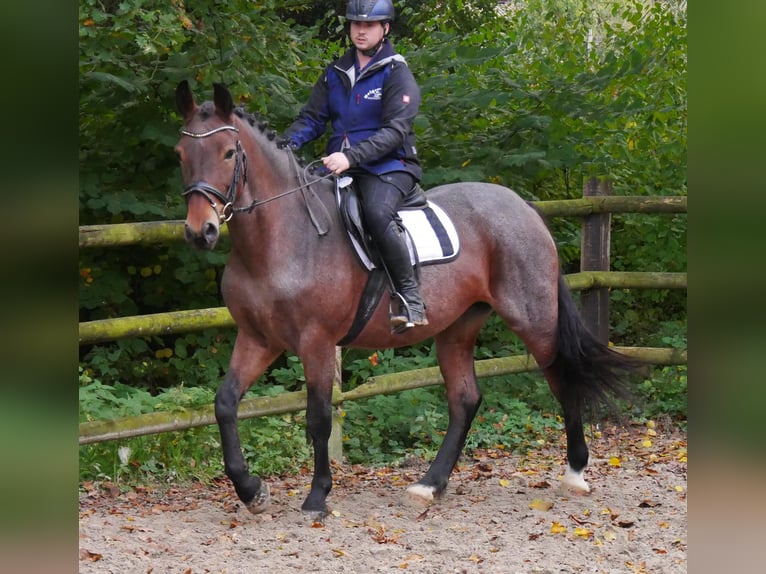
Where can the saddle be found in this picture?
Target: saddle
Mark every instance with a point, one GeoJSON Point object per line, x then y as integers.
{"type": "Point", "coordinates": [429, 232]}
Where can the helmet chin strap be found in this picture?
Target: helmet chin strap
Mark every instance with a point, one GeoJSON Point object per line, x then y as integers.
{"type": "Point", "coordinates": [370, 52]}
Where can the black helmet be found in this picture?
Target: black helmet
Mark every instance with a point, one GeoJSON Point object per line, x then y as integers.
{"type": "Point", "coordinates": [370, 10]}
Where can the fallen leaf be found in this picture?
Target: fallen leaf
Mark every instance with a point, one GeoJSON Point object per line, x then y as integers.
{"type": "Point", "coordinates": [647, 503]}
{"type": "Point", "coordinates": [557, 528]}
{"type": "Point", "coordinates": [614, 461]}
{"type": "Point", "coordinates": [538, 504]}
{"type": "Point", "coordinates": [338, 552]}
{"type": "Point", "coordinates": [583, 532]}
{"type": "Point", "coordinates": [610, 535]}
{"type": "Point", "coordinates": [505, 483]}
{"type": "Point", "coordinates": [624, 522]}
{"type": "Point", "coordinates": [88, 555]}
{"type": "Point", "coordinates": [581, 521]}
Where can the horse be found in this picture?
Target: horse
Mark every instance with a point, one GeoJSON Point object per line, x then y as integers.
{"type": "Point", "coordinates": [291, 283]}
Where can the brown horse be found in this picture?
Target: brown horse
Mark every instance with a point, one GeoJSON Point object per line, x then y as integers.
{"type": "Point", "coordinates": [292, 283]}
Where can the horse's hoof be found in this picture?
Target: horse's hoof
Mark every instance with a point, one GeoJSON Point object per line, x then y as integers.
{"type": "Point", "coordinates": [420, 495]}
{"type": "Point", "coordinates": [260, 501]}
{"type": "Point", "coordinates": [574, 480]}
{"type": "Point", "coordinates": [314, 516]}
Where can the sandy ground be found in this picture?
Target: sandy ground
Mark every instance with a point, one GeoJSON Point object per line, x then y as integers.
{"type": "Point", "coordinates": [501, 513]}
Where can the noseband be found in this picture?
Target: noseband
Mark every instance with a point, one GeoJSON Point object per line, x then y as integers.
{"type": "Point", "coordinates": [210, 192]}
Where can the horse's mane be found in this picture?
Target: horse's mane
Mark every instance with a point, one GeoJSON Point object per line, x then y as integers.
{"type": "Point", "coordinates": [255, 119]}
{"type": "Point", "coordinates": [261, 124]}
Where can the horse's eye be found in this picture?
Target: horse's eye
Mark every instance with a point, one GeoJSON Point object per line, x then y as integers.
{"type": "Point", "coordinates": [229, 154]}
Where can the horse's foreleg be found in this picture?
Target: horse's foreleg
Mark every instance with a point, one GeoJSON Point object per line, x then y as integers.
{"type": "Point", "coordinates": [319, 379]}
{"type": "Point", "coordinates": [455, 356]}
{"type": "Point", "coordinates": [250, 490]}
{"type": "Point", "coordinates": [245, 367]}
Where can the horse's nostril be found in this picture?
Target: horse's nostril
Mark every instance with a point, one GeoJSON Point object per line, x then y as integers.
{"type": "Point", "coordinates": [211, 232]}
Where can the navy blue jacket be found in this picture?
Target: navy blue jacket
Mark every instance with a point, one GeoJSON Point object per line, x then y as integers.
{"type": "Point", "coordinates": [371, 112]}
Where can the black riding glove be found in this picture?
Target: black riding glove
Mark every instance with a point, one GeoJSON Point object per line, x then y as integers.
{"type": "Point", "coordinates": [285, 142]}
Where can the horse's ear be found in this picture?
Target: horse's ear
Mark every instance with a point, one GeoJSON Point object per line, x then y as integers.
{"type": "Point", "coordinates": [185, 100]}
{"type": "Point", "coordinates": [223, 101]}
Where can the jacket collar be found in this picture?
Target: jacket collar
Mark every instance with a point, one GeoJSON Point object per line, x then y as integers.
{"type": "Point", "coordinates": [348, 59]}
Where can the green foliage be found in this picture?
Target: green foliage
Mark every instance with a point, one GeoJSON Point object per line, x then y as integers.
{"type": "Point", "coordinates": [384, 428]}
{"type": "Point", "coordinates": [272, 445]}
{"type": "Point", "coordinates": [664, 391]}
{"type": "Point", "coordinates": [665, 394]}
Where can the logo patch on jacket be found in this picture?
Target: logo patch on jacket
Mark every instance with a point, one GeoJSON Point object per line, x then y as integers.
{"type": "Point", "coordinates": [375, 94]}
{"type": "Point", "coordinates": [406, 99]}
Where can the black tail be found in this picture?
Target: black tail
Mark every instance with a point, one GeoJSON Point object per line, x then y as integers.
{"type": "Point", "coordinates": [591, 374]}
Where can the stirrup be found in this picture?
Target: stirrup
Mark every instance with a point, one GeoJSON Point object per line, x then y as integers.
{"type": "Point", "coordinates": [400, 322]}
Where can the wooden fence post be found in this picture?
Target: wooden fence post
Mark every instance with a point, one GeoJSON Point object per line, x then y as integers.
{"type": "Point", "coordinates": [596, 233]}
{"type": "Point", "coordinates": [336, 435]}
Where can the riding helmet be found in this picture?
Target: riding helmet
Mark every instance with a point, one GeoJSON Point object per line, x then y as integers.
{"type": "Point", "coordinates": [370, 10]}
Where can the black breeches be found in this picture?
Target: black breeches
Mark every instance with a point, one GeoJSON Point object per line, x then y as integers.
{"type": "Point", "coordinates": [381, 196]}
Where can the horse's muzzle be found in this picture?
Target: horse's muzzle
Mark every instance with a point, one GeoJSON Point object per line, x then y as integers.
{"type": "Point", "coordinates": [204, 239]}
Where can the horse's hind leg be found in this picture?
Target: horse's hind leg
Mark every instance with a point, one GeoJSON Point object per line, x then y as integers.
{"type": "Point", "coordinates": [580, 370]}
{"type": "Point", "coordinates": [577, 449]}
{"type": "Point", "coordinates": [247, 363]}
{"type": "Point", "coordinates": [541, 340]}
{"type": "Point", "coordinates": [454, 350]}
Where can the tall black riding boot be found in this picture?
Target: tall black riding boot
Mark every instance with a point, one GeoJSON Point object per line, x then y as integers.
{"type": "Point", "coordinates": [396, 257]}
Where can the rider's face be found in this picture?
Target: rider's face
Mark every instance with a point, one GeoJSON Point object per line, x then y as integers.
{"type": "Point", "coordinates": [365, 35]}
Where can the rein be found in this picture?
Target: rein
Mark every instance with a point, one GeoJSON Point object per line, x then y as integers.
{"type": "Point", "coordinates": [210, 192]}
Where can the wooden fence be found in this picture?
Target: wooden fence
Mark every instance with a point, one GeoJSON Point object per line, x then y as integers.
{"type": "Point", "coordinates": [595, 280]}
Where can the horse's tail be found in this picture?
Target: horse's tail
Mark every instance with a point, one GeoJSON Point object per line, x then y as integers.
{"type": "Point", "coordinates": [590, 374]}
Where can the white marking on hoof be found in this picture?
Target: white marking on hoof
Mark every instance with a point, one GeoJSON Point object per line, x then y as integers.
{"type": "Point", "coordinates": [421, 494]}
{"type": "Point", "coordinates": [261, 501]}
{"type": "Point", "coordinates": [574, 480]}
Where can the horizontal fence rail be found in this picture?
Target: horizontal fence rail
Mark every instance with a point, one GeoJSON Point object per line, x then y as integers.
{"type": "Point", "coordinates": [151, 232]}
{"type": "Point", "coordinates": [153, 423]}
{"type": "Point", "coordinates": [102, 330]}
{"type": "Point", "coordinates": [93, 332]}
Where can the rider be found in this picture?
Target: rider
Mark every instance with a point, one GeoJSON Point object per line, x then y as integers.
{"type": "Point", "coordinates": [371, 98]}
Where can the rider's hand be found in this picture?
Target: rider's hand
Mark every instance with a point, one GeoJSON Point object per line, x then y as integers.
{"type": "Point", "coordinates": [336, 162]}
{"type": "Point", "coordinates": [284, 142]}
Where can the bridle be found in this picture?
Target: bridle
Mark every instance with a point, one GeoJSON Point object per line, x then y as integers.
{"type": "Point", "coordinates": [211, 193]}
